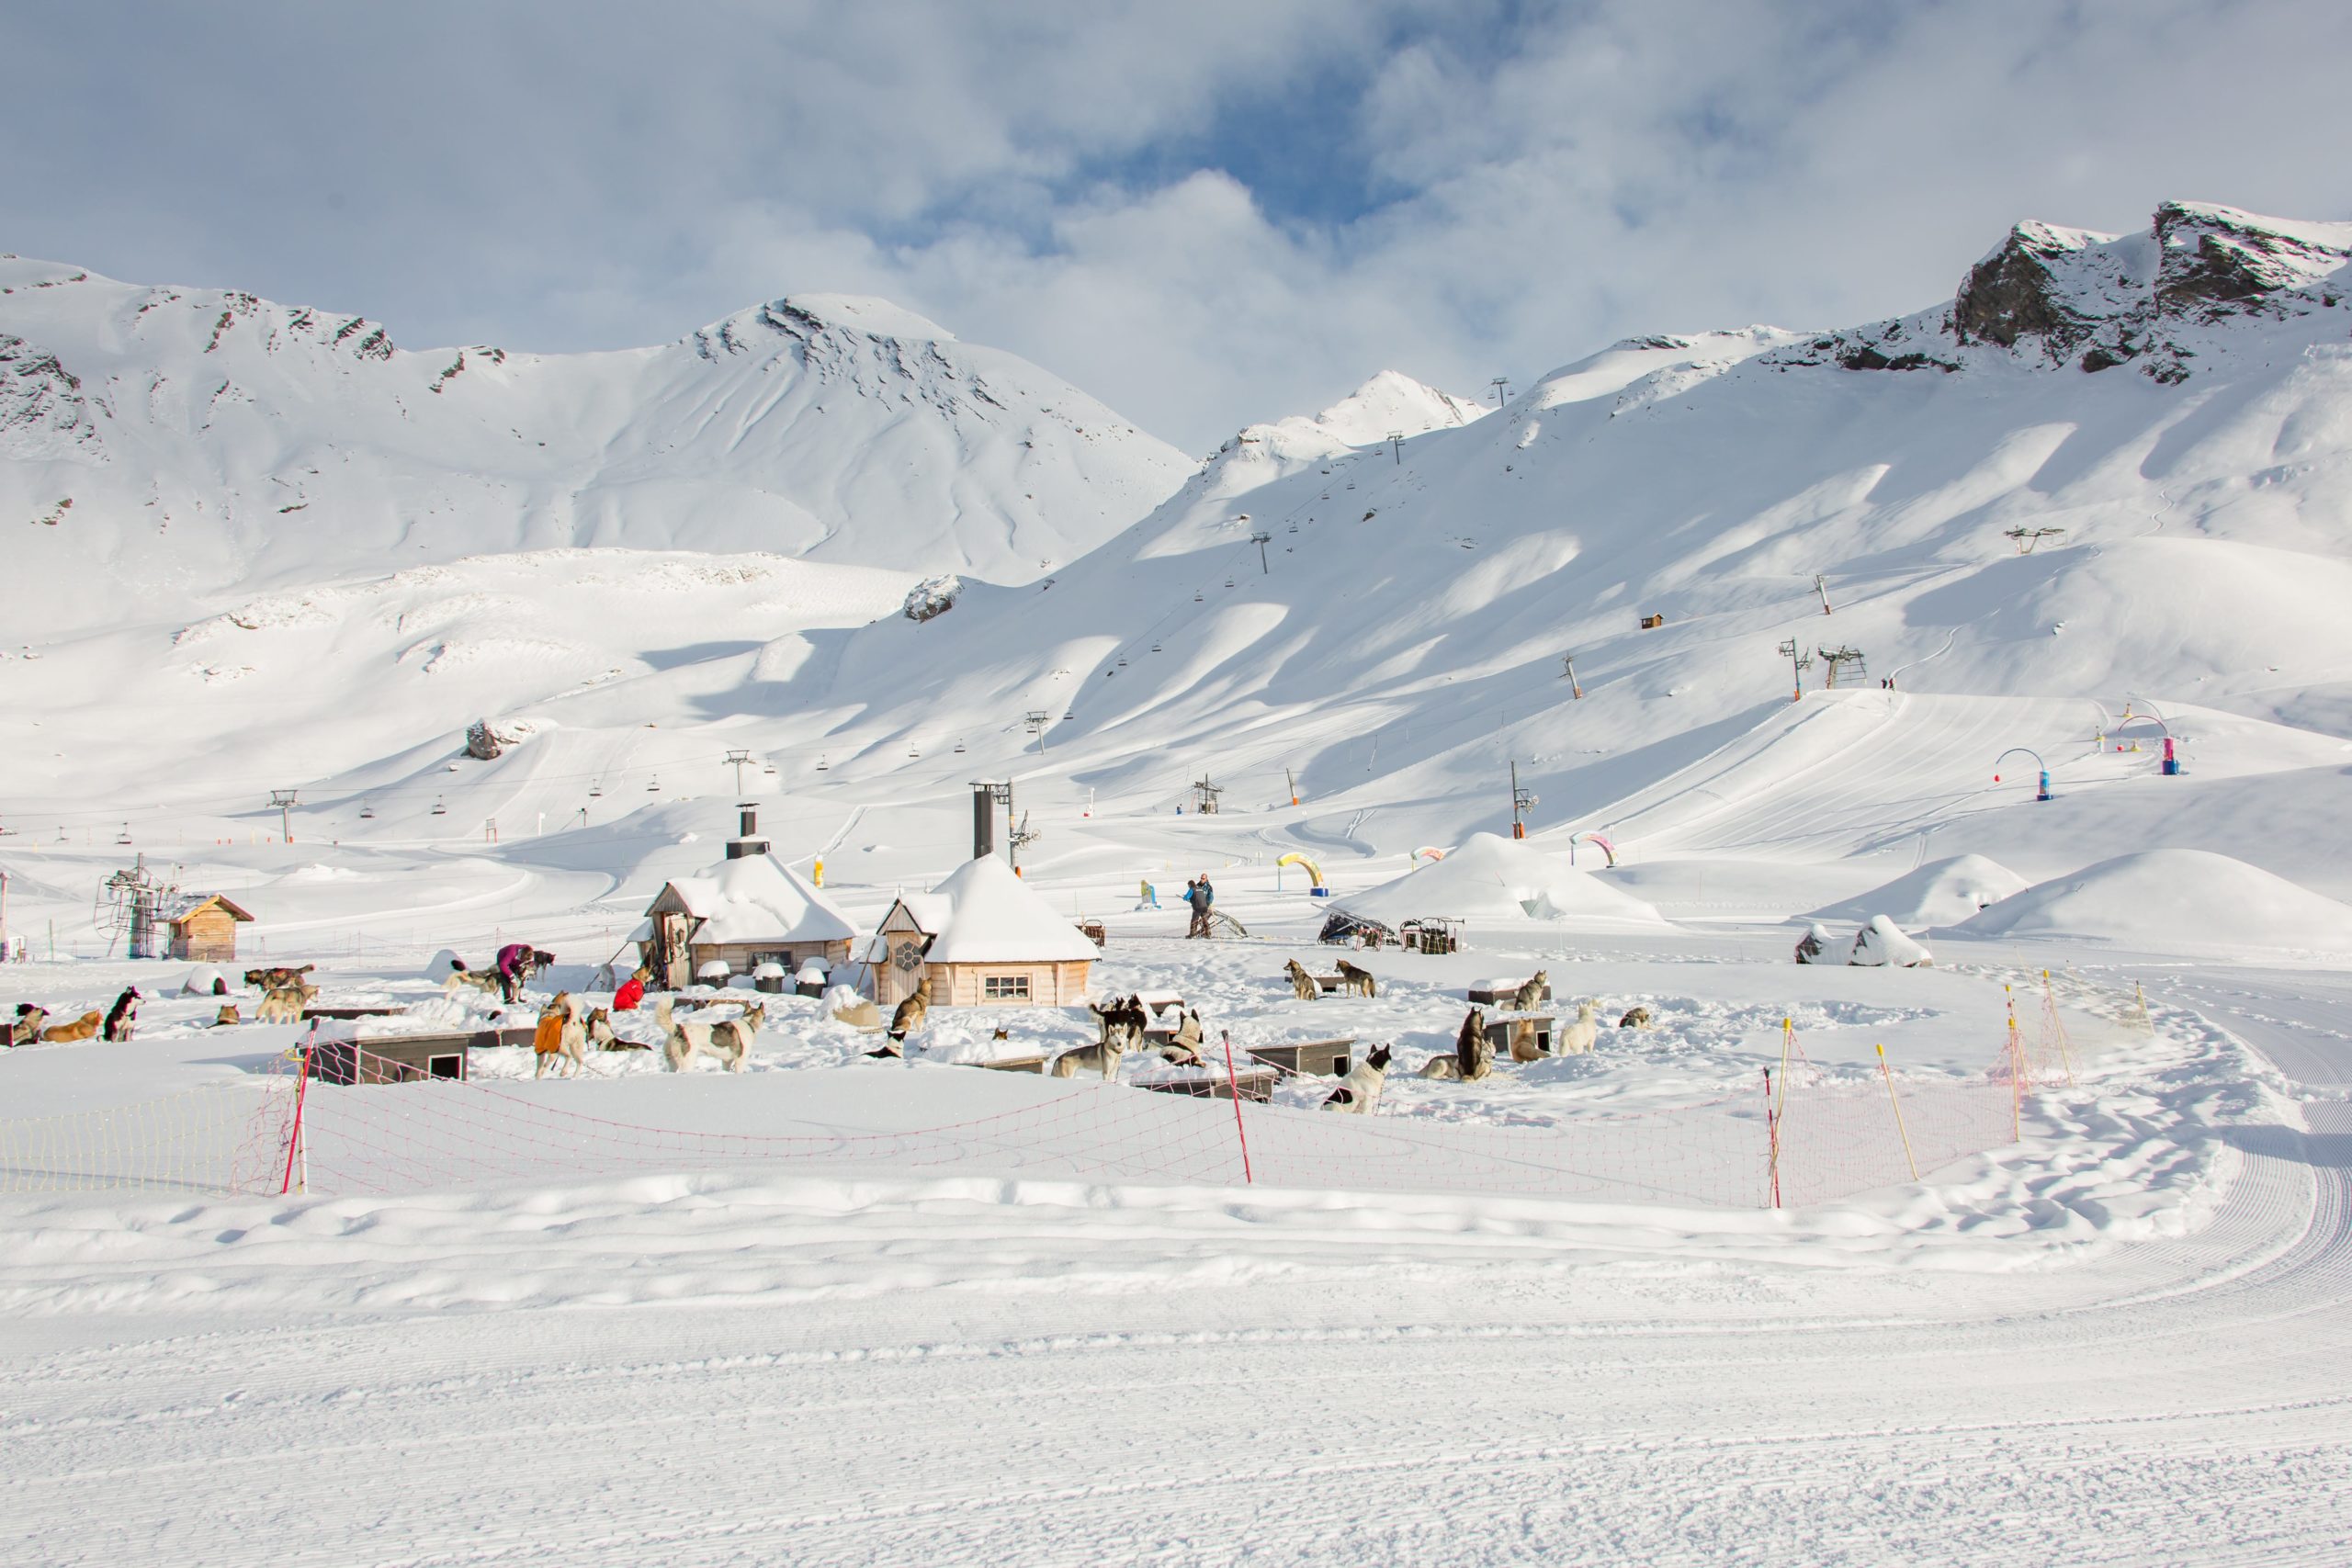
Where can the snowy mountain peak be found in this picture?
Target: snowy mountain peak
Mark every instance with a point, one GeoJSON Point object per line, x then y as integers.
{"type": "Point", "coordinates": [1390, 402]}
{"type": "Point", "coordinates": [2049, 297]}
{"type": "Point", "coordinates": [862, 313]}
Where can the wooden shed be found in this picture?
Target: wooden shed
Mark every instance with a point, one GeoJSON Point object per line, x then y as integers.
{"type": "Point", "coordinates": [205, 931]}
{"type": "Point", "coordinates": [984, 938]}
{"type": "Point", "coordinates": [749, 909]}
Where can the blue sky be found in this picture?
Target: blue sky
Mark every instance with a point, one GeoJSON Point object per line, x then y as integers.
{"type": "Point", "coordinates": [1205, 215]}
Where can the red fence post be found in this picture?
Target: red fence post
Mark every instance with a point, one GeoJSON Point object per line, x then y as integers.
{"type": "Point", "coordinates": [1233, 1086]}
{"type": "Point", "coordinates": [301, 1089]}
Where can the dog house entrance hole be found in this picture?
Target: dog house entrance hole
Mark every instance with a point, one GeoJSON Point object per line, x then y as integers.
{"type": "Point", "coordinates": [451, 1066]}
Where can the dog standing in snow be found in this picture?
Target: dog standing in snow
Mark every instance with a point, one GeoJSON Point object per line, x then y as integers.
{"type": "Point", "coordinates": [686, 1039]}
{"type": "Point", "coordinates": [1529, 995]}
{"type": "Point", "coordinates": [1104, 1055]}
{"type": "Point", "coordinates": [463, 979]}
{"type": "Point", "coordinates": [1359, 1092]}
{"type": "Point", "coordinates": [1357, 982]}
{"type": "Point", "coordinates": [560, 1037]}
{"type": "Point", "coordinates": [910, 1013]}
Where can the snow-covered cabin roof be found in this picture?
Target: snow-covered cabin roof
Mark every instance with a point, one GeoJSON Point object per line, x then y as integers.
{"type": "Point", "coordinates": [993, 916]}
{"type": "Point", "coordinates": [929, 911]}
{"type": "Point", "coordinates": [185, 906]}
{"type": "Point", "coordinates": [756, 899]}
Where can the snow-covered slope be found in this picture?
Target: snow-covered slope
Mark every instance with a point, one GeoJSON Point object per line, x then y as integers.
{"type": "Point", "coordinates": [176, 441]}
{"type": "Point", "coordinates": [2025, 542]}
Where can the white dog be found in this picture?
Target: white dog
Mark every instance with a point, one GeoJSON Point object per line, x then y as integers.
{"type": "Point", "coordinates": [1578, 1038]}
{"type": "Point", "coordinates": [729, 1040]}
{"type": "Point", "coordinates": [1359, 1092]}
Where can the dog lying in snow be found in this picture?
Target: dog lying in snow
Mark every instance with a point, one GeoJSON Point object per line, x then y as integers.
{"type": "Point", "coordinates": [227, 1015]}
{"type": "Point", "coordinates": [598, 1026]}
{"type": "Point", "coordinates": [1355, 982]}
{"type": "Point", "coordinates": [26, 1025]}
{"type": "Point", "coordinates": [1530, 994]}
{"type": "Point", "coordinates": [1302, 984]}
{"type": "Point", "coordinates": [1184, 1048]}
{"type": "Point", "coordinates": [1523, 1047]}
{"type": "Point", "coordinates": [83, 1028]}
{"type": "Point", "coordinates": [1636, 1017]}
{"type": "Point", "coordinates": [1473, 1054]}
{"type": "Point", "coordinates": [1359, 1092]}
{"type": "Point", "coordinates": [274, 978]}
{"type": "Point", "coordinates": [1578, 1038]}
{"type": "Point", "coordinates": [462, 978]}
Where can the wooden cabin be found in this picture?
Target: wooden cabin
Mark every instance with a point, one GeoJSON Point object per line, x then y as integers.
{"type": "Point", "coordinates": [206, 931]}
{"type": "Point", "coordinates": [749, 909]}
{"type": "Point", "coordinates": [984, 938]}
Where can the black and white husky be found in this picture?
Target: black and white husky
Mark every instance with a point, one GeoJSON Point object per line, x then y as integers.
{"type": "Point", "coordinates": [1360, 1091]}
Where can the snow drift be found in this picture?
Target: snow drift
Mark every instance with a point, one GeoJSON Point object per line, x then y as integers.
{"type": "Point", "coordinates": [1494, 878]}
{"type": "Point", "coordinates": [1940, 893]}
{"type": "Point", "coordinates": [2188, 901]}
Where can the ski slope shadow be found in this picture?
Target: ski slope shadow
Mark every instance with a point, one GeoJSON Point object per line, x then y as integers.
{"type": "Point", "coordinates": [1845, 772]}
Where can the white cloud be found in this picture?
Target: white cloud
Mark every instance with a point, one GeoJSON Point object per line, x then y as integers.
{"type": "Point", "coordinates": [1068, 183]}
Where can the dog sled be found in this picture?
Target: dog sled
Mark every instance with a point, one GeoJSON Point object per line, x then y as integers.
{"type": "Point", "coordinates": [1343, 930]}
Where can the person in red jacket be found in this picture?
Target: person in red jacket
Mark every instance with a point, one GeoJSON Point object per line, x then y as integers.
{"type": "Point", "coordinates": [632, 992]}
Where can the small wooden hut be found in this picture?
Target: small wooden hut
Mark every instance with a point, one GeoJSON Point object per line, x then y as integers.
{"type": "Point", "coordinates": [749, 909]}
{"type": "Point", "coordinates": [984, 938]}
{"type": "Point", "coordinates": [205, 930]}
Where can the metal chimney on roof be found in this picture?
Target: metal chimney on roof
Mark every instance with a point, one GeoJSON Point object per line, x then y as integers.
{"type": "Point", "coordinates": [748, 840]}
{"type": "Point", "coordinates": [983, 820]}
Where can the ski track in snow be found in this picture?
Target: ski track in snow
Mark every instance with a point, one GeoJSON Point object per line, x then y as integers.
{"type": "Point", "coordinates": [2166, 1401]}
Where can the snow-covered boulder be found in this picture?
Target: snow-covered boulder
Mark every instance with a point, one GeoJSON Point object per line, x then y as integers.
{"type": "Point", "coordinates": [1940, 893]}
{"type": "Point", "coordinates": [1815, 945]}
{"type": "Point", "coordinates": [1490, 877]}
{"type": "Point", "coordinates": [933, 596]}
{"type": "Point", "coordinates": [1881, 943]}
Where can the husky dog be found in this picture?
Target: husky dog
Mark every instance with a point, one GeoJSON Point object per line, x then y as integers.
{"type": "Point", "coordinates": [1302, 984]}
{"type": "Point", "coordinates": [1527, 998]}
{"type": "Point", "coordinates": [1104, 1055]}
{"type": "Point", "coordinates": [227, 1015]}
{"type": "Point", "coordinates": [83, 1028]}
{"type": "Point", "coordinates": [560, 1037]}
{"type": "Point", "coordinates": [910, 1013]}
{"type": "Point", "coordinates": [1184, 1048]}
{"type": "Point", "coordinates": [740, 1031]}
{"type": "Point", "coordinates": [483, 980]}
{"type": "Point", "coordinates": [1524, 1047]}
{"type": "Point", "coordinates": [1636, 1017]}
{"type": "Point", "coordinates": [123, 1017]}
{"type": "Point", "coordinates": [274, 978]}
{"type": "Point", "coordinates": [1360, 1091]}
{"type": "Point", "coordinates": [1123, 1021]}
{"type": "Point", "coordinates": [1473, 1054]}
{"type": "Point", "coordinates": [27, 1024]}
{"type": "Point", "coordinates": [689, 1038]}
{"type": "Point", "coordinates": [1357, 982]}
{"type": "Point", "coordinates": [1578, 1038]}
{"type": "Point", "coordinates": [284, 1004]}
{"type": "Point", "coordinates": [598, 1026]}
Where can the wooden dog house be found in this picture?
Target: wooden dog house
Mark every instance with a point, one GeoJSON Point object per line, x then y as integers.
{"type": "Point", "coordinates": [984, 938]}
{"type": "Point", "coordinates": [205, 931]}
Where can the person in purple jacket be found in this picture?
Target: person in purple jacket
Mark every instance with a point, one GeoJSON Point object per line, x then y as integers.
{"type": "Point", "coordinates": [517, 962]}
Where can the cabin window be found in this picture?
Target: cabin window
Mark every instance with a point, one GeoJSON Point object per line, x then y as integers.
{"type": "Point", "coordinates": [1004, 987]}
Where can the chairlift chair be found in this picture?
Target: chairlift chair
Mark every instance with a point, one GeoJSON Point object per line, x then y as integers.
{"type": "Point", "coordinates": [1072, 713]}
{"type": "Point", "coordinates": [1122, 661]}
{"type": "Point", "coordinates": [654, 788]}
{"type": "Point", "coordinates": [1196, 597]}
{"type": "Point", "coordinates": [123, 837]}
{"type": "Point", "coordinates": [821, 765]}
{"type": "Point", "coordinates": [1155, 648]}
{"type": "Point", "coordinates": [912, 752]}
{"type": "Point", "coordinates": [596, 789]}
{"type": "Point", "coordinates": [439, 809]}
{"type": "Point", "coordinates": [366, 812]}
{"type": "Point", "coordinates": [959, 748]}
{"type": "Point", "coordinates": [1229, 582]}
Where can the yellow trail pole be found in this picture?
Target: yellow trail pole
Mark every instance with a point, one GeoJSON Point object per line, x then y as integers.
{"type": "Point", "coordinates": [1908, 1157]}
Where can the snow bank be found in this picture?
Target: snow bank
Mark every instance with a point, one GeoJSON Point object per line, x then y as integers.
{"type": "Point", "coordinates": [1881, 943]}
{"type": "Point", "coordinates": [1494, 878]}
{"type": "Point", "coordinates": [1941, 893]}
{"type": "Point", "coordinates": [2173, 901]}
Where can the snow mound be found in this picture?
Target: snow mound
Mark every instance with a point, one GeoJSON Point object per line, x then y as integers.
{"type": "Point", "coordinates": [2173, 901]}
{"type": "Point", "coordinates": [1941, 893]}
{"type": "Point", "coordinates": [1491, 878]}
{"type": "Point", "coordinates": [1881, 944]}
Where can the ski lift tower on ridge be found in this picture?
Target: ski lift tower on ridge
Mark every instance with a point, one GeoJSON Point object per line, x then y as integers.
{"type": "Point", "coordinates": [1204, 796]}
{"type": "Point", "coordinates": [1847, 658]}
